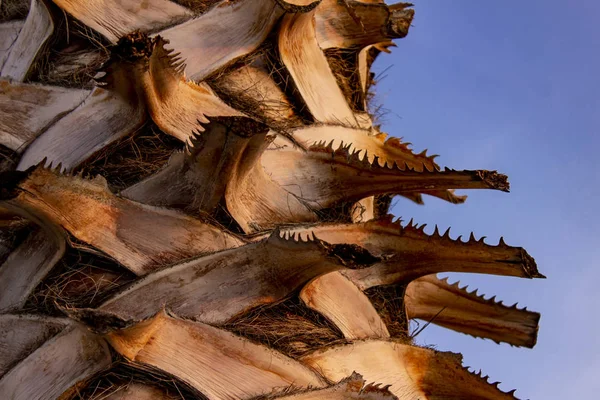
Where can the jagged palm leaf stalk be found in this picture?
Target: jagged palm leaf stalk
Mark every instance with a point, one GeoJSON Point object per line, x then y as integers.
{"type": "Point", "coordinates": [208, 216]}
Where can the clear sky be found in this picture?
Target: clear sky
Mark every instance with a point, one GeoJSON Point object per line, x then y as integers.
{"type": "Point", "coordinates": [513, 87]}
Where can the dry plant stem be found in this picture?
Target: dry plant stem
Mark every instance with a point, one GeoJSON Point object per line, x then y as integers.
{"type": "Point", "coordinates": [241, 25]}
{"type": "Point", "coordinates": [470, 313]}
{"type": "Point", "coordinates": [108, 114]}
{"type": "Point", "coordinates": [123, 229]}
{"type": "Point", "coordinates": [308, 67]}
{"type": "Point", "coordinates": [323, 177]}
{"type": "Point", "coordinates": [68, 359]}
{"type": "Point", "coordinates": [175, 104]}
{"type": "Point", "coordinates": [20, 335]}
{"type": "Point", "coordinates": [32, 38]}
{"type": "Point", "coordinates": [9, 32]}
{"type": "Point", "coordinates": [404, 257]}
{"type": "Point", "coordinates": [345, 305]}
{"type": "Point", "coordinates": [351, 24]}
{"type": "Point", "coordinates": [27, 110]}
{"type": "Point", "coordinates": [213, 361]}
{"type": "Point", "coordinates": [249, 276]}
{"type": "Point", "coordinates": [412, 372]}
{"type": "Point", "coordinates": [116, 18]}
{"type": "Point", "coordinates": [26, 266]}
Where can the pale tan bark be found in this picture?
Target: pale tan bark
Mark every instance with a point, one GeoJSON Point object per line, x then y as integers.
{"type": "Point", "coordinates": [408, 252]}
{"type": "Point", "coordinates": [27, 110]}
{"type": "Point", "coordinates": [175, 104]}
{"type": "Point", "coordinates": [123, 229]}
{"type": "Point", "coordinates": [26, 266]}
{"type": "Point", "coordinates": [9, 32]}
{"type": "Point", "coordinates": [21, 335]}
{"type": "Point", "coordinates": [116, 18]}
{"type": "Point", "coordinates": [108, 114]}
{"type": "Point", "coordinates": [225, 33]}
{"type": "Point", "coordinates": [252, 89]}
{"type": "Point", "coordinates": [345, 305]}
{"type": "Point", "coordinates": [308, 67]}
{"type": "Point", "coordinates": [215, 362]}
{"type": "Point", "coordinates": [34, 34]}
{"type": "Point", "coordinates": [247, 277]}
{"type": "Point", "coordinates": [412, 372]}
{"type": "Point", "coordinates": [431, 299]}
{"type": "Point", "coordinates": [68, 359]}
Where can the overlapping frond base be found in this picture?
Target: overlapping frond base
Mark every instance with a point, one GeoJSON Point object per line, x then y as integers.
{"type": "Point", "coordinates": [194, 203]}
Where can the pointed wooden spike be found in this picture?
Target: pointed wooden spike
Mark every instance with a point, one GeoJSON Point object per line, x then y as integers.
{"type": "Point", "coordinates": [358, 24]}
{"type": "Point", "coordinates": [401, 250]}
{"type": "Point", "coordinates": [468, 313]}
{"type": "Point", "coordinates": [9, 32]}
{"type": "Point", "coordinates": [322, 178]}
{"type": "Point", "coordinates": [224, 366]}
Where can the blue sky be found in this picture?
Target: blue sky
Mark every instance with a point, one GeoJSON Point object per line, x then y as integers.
{"type": "Point", "coordinates": [513, 87]}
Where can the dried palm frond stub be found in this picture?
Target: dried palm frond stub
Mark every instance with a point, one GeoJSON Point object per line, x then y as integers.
{"type": "Point", "coordinates": [432, 299]}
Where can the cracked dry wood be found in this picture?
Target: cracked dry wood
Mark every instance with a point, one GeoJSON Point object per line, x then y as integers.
{"type": "Point", "coordinates": [21, 335]}
{"type": "Point", "coordinates": [26, 110]}
{"type": "Point", "coordinates": [225, 33]}
{"type": "Point", "coordinates": [68, 359]}
{"type": "Point", "coordinates": [345, 305]}
{"type": "Point", "coordinates": [26, 266]}
{"type": "Point", "coordinates": [412, 372]}
{"type": "Point", "coordinates": [246, 277]}
{"type": "Point", "coordinates": [355, 24]}
{"type": "Point", "coordinates": [308, 67]}
{"type": "Point", "coordinates": [116, 18]}
{"type": "Point", "coordinates": [217, 363]}
{"type": "Point", "coordinates": [106, 115]}
{"type": "Point", "coordinates": [408, 252]}
{"type": "Point", "coordinates": [123, 229]}
{"type": "Point", "coordinates": [469, 313]}
{"type": "Point", "coordinates": [34, 34]}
